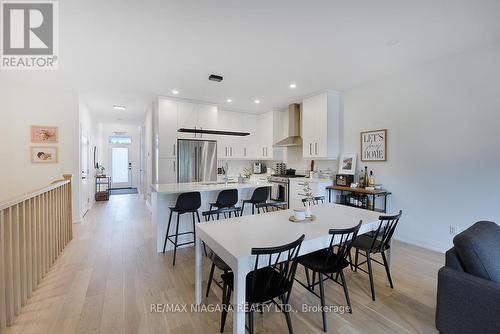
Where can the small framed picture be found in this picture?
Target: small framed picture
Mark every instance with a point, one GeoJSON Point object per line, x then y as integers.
{"type": "Point", "coordinates": [347, 164]}
{"type": "Point", "coordinates": [374, 145]}
{"type": "Point", "coordinates": [47, 154]}
{"type": "Point", "coordinates": [44, 134]}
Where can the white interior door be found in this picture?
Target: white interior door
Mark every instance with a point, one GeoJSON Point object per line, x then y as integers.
{"type": "Point", "coordinates": [84, 170]}
{"type": "Point", "coordinates": [121, 168]}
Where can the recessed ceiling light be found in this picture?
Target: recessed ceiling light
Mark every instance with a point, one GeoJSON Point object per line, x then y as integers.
{"type": "Point", "coordinates": [293, 85]}
{"type": "Point", "coordinates": [256, 101]}
{"type": "Point", "coordinates": [392, 42]}
{"type": "Point", "coordinates": [229, 100]}
{"type": "Point", "coordinates": [175, 92]}
{"type": "Point", "coordinates": [117, 107]}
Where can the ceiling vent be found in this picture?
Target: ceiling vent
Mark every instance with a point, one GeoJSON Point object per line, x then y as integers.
{"type": "Point", "coordinates": [215, 77]}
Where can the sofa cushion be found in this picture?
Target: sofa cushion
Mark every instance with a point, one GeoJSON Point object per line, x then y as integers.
{"type": "Point", "coordinates": [479, 250]}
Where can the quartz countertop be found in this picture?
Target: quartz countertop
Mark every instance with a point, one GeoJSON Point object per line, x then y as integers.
{"type": "Point", "coordinates": [177, 188]}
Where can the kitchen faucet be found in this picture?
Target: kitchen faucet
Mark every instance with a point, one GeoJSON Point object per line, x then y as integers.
{"type": "Point", "coordinates": [226, 178]}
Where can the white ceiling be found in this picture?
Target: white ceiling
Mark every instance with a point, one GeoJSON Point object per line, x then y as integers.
{"type": "Point", "coordinates": [128, 52]}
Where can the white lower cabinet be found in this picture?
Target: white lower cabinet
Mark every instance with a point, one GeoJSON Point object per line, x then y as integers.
{"type": "Point", "coordinates": [167, 171]}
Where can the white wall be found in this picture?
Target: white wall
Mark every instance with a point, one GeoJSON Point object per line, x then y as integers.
{"type": "Point", "coordinates": [91, 128]}
{"type": "Point", "coordinates": [148, 166]}
{"type": "Point", "coordinates": [443, 123]}
{"type": "Point", "coordinates": [21, 106]}
{"type": "Point", "coordinates": [132, 131]}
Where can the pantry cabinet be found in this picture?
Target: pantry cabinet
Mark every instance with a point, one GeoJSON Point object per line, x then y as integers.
{"type": "Point", "coordinates": [321, 128]}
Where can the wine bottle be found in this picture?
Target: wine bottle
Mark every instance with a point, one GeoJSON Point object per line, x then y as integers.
{"type": "Point", "coordinates": [367, 178]}
{"type": "Point", "coordinates": [372, 180]}
{"type": "Point", "coordinates": [361, 182]}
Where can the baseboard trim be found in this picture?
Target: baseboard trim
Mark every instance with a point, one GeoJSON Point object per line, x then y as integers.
{"type": "Point", "coordinates": [423, 244]}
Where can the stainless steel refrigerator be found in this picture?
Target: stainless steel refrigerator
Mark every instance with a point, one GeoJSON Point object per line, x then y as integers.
{"type": "Point", "coordinates": [197, 160]}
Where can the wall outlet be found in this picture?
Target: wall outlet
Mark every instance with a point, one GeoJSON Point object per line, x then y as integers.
{"type": "Point", "coordinates": [454, 229]}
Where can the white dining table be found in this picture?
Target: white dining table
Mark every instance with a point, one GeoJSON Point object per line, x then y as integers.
{"type": "Point", "coordinates": [232, 240]}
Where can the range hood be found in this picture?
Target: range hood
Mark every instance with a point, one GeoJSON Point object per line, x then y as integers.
{"type": "Point", "coordinates": [294, 138]}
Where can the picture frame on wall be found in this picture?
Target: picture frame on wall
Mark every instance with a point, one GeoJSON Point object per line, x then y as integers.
{"type": "Point", "coordinates": [347, 164]}
{"type": "Point", "coordinates": [44, 134]}
{"type": "Point", "coordinates": [374, 145]}
{"type": "Point", "coordinates": [44, 154]}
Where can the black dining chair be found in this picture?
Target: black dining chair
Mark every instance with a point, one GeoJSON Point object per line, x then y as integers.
{"type": "Point", "coordinates": [375, 242]}
{"type": "Point", "coordinates": [186, 203]}
{"type": "Point", "coordinates": [227, 198]}
{"type": "Point", "coordinates": [265, 284]}
{"type": "Point", "coordinates": [259, 196]}
{"type": "Point", "coordinates": [330, 261]}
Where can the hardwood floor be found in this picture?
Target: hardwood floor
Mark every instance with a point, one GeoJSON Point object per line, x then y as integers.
{"type": "Point", "coordinates": [109, 275]}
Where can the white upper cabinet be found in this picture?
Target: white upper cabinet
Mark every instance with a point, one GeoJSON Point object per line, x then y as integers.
{"type": "Point", "coordinates": [229, 147]}
{"type": "Point", "coordinates": [167, 128]}
{"type": "Point", "coordinates": [265, 136]}
{"type": "Point", "coordinates": [196, 116]}
{"type": "Point", "coordinates": [321, 128]}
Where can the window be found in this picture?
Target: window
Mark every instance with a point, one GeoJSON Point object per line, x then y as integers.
{"type": "Point", "coordinates": [120, 140]}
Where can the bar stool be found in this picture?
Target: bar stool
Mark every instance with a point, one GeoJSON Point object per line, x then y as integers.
{"type": "Point", "coordinates": [226, 199]}
{"type": "Point", "coordinates": [259, 196]}
{"type": "Point", "coordinates": [272, 206]}
{"type": "Point", "coordinates": [186, 203]}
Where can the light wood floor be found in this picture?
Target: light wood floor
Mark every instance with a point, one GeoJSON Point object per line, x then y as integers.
{"type": "Point", "coordinates": [110, 274]}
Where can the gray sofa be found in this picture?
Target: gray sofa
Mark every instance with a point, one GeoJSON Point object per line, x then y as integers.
{"type": "Point", "coordinates": [468, 295]}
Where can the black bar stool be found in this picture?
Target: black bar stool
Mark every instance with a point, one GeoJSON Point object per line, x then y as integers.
{"type": "Point", "coordinates": [186, 203]}
{"type": "Point", "coordinates": [272, 206]}
{"type": "Point", "coordinates": [226, 199]}
{"type": "Point", "coordinates": [259, 196]}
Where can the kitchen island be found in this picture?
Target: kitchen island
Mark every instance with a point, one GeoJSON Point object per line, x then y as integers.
{"type": "Point", "coordinates": [164, 196]}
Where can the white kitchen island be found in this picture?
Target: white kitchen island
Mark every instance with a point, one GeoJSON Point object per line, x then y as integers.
{"type": "Point", "coordinates": [164, 196]}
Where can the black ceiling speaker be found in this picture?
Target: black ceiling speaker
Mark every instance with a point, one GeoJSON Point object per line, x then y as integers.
{"type": "Point", "coordinates": [215, 77]}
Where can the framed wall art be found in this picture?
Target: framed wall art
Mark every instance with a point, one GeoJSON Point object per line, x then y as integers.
{"type": "Point", "coordinates": [44, 134]}
{"type": "Point", "coordinates": [44, 154]}
{"type": "Point", "coordinates": [374, 145]}
{"type": "Point", "coordinates": [347, 164]}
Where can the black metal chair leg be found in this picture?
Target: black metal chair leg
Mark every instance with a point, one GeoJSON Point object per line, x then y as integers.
{"type": "Point", "coordinates": [198, 216]}
{"type": "Point", "coordinates": [176, 237]}
{"type": "Point", "coordinates": [322, 297]}
{"type": "Point", "coordinates": [253, 209]}
{"type": "Point", "coordinates": [242, 208]}
{"type": "Point", "coordinates": [356, 260]}
{"type": "Point", "coordinates": [250, 320]}
{"type": "Point", "coordinates": [225, 304]}
{"type": "Point", "coordinates": [166, 234]}
{"type": "Point", "coordinates": [350, 261]}
{"type": "Point", "coordinates": [387, 269]}
{"type": "Point", "coordinates": [194, 228]}
{"type": "Point", "coordinates": [346, 292]}
{"type": "Point", "coordinates": [307, 277]}
{"type": "Point", "coordinates": [287, 315]}
{"type": "Point", "coordinates": [370, 273]}
{"type": "Point", "coordinates": [210, 277]}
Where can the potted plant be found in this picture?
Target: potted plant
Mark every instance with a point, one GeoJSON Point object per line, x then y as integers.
{"type": "Point", "coordinates": [247, 172]}
{"type": "Point", "coordinates": [308, 197]}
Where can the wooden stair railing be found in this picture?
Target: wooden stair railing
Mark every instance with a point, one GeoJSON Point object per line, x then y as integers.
{"type": "Point", "coordinates": [34, 229]}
